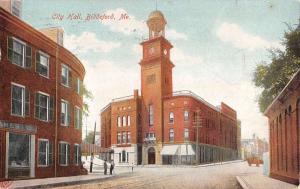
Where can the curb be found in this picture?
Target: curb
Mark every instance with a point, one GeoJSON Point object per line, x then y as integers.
{"type": "Point", "coordinates": [242, 183]}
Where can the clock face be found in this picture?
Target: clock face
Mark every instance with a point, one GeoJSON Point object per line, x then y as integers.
{"type": "Point", "coordinates": [165, 52]}
{"type": "Point", "coordinates": [151, 50]}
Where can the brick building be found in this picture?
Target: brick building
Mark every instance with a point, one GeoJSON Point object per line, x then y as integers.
{"type": "Point", "coordinates": [40, 103]}
{"type": "Point", "coordinates": [284, 124]}
{"type": "Point", "coordinates": [158, 126]}
{"type": "Point", "coordinates": [254, 147]}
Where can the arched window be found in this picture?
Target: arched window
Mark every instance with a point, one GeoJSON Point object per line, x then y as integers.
{"type": "Point", "coordinates": [171, 117]}
{"type": "Point", "coordinates": [119, 121]}
{"type": "Point", "coordinates": [124, 121]}
{"type": "Point", "coordinates": [128, 120]}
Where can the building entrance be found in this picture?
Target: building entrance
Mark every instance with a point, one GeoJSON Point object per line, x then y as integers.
{"type": "Point", "coordinates": [151, 155]}
{"type": "Point", "coordinates": [19, 155]}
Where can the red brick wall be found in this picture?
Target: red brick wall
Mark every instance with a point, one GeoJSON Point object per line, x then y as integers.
{"type": "Point", "coordinates": [106, 128]}
{"type": "Point", "coordinates": [284, 138]}
{"type": "Point", "coordinates": [34, 82]}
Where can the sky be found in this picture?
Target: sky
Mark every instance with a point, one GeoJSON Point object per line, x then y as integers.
{"type": "Point", "coordinates": [217, 44]}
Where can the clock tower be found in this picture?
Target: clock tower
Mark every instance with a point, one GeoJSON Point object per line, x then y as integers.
{"type": "Point", "coordinates": [156, 83]}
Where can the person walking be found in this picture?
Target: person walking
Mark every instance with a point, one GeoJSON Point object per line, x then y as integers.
{"type": "Point", "coordinates": [105, 167]}
{"type": "Point", "coordinates": [112, 165]}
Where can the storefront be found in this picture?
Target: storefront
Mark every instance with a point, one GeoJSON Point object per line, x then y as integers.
{"type": "Point", "coordinates": [19, 150]}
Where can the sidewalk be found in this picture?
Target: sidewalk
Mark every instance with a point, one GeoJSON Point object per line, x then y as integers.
{"type": "Point", "coordinates": [59, 181]}
{"type": "Point", "coordinates": [260, 181]}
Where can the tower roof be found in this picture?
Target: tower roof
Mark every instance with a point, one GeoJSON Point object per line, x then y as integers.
{"type": "Point", "coordinates": [156, 15]}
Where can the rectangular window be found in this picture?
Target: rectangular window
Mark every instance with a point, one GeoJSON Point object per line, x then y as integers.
{"type": "Point", "coordinates": [128, 120]}
{"type": "Point", "coordinates": [186, 134]}
{"type": "Point", "coordinates": [77, 117]}
{"type": "Point", "coordinates": [171, 117]}
{"type": "Point", "coordinates": [128, 138]}
{"type": "Point", "coordinates": [42, 64]}
{"type": "Point", "coordinates": [119, 138]}
{"type": "Point", "coordinates": [64, 153]}
{"type": "Point", "coordinates": [124, 137]}
{"type": "Point", "coordinates": [44, 106]}
{"type": "Point", "coordinates": [65, 113]}
{"type": "Point", "coordinates": [19, 100]}
{"type": "Point", "coordinates": [45, 152]}
{"type": "Point", "coordinates": [120, 156]}
{"type": "Point", "coordinates": [65, 75]}
{"type": "Point", "coordinates": [16, 8]}
{"type": "Point", "coordinates": [124, 121]}
{"type": "Point", "coordinates": [171, 135]}
{"type": "Point", "coordinates": [151, 115]}
{"type": "Point", "coordinates": [186, 115]}
{"type": "Point", "coordinates": [19, 53]}
{"type": "Point", "coordinates": [77, 154]}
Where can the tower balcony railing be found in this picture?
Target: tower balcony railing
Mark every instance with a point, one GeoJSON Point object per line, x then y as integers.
{"type": "Point", "coordinates": [122, 98]}
{"type": "Point", "coordinates": [150, 140]}
{"type": "Point", "coordinates": [191, 94]}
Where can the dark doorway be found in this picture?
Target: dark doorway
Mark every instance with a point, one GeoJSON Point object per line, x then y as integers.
{"type": "Point", "coordinates": [151, 155]}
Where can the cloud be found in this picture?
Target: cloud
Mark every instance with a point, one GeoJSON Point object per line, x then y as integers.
{"type": "Point", "coordinates": [237, 37]}
{"type": "Point", "coordinates": [88, 42]}
{"type": "Point", "coordinates": [181, 58]}
{"type": "Point", "coordinates": [134, 26]}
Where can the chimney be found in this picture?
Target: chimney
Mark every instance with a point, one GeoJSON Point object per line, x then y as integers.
{"type": "Point", "coordinates": [136, 94]}
{"type": "Point", "coordinates": [12, 6]}
{"type": "Point", "coordinates": [54, 33]}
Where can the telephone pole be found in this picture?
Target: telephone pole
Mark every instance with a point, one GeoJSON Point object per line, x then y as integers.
{"type": "Point", "coordinates": [197, 125]}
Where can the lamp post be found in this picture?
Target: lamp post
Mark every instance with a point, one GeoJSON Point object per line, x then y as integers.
{"type": "Point", "coordinates": [197, 125]}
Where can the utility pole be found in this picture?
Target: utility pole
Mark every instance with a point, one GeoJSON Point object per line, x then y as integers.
{"type": "Point", "coordinates": [92, 154]}
{"type": "Point", "coordinates": [197, 125]}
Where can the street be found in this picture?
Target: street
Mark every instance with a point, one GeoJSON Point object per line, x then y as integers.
{"type": "Point", "coordinates": [208, 177]}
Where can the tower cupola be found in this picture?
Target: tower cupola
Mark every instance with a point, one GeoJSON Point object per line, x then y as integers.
{"type": "Point", "coordinates": [156, 23]}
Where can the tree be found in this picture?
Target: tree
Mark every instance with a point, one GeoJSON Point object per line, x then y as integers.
{"type": "Point", "coordinates": [89, 138]}
{"type": "Point", "coordinates": [273, 77]}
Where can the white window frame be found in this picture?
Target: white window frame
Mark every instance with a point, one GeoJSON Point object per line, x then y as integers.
{"type": "Point", "coordinates": [124, 136]}
{"type": "Point", "coordinates": [119, 121]}
{"type": "Point", "coordinates": [124, 121]}
{"type": "Point", "coordinates": [23, 53]}
{"type": "Point", "coordinates": [78, 147]}
{"type": "Point", "coordinates": [119, 136]}
{"type": "Point", "coordinates": [128, 120]}
{"type": "Point", "coordinates": [47, 152]}
{"type": "Point", "coordinates": [171, 117]}
{"type": "Point", "coordinates": [173, 136]}
{"type": "Point", "coordinates": [66, 113]}
{"type": "Point", "coordinates": [68, 75]}
{"type": "Point", "coordinates": [128, 137]}
{"type": "Point", "coordinates": [186, 115]}
{"type": "Point", "coordinates": [23, 99]}
{"type": "Point", "coordinates": [41, 53]}
{"type": "Point", "coordinates": [66, 155]}
{"type": "Point", "coordinates": [48, 105]}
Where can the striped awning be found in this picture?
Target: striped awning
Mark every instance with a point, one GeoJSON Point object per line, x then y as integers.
{"type": "Point", "coordinates": [186, 150]}
{"type": "Point", "coordinates": [169, 150]}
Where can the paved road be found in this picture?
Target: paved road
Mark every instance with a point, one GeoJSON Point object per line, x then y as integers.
{"type": "Point", "coordinates": [210, 177]}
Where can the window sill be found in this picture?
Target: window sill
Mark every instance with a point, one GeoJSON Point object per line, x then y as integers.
{"type": "Point", "coordinates": [21, 116]}
{"type": "Point", "coordinates": [67, 86]}
{"type": "Point", "coordinates": [64, 165]}
{"type": "Point", "coordinates": [43, 166]}
{"type": "Point", "coordinates": [47, 77]}
{"type": "Point", "coordinates": [64, 125]}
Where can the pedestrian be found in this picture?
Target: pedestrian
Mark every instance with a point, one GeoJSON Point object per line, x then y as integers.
{"type": "Point", "coordinates": [132, 167]}
{"type": "Point", "coordinates": [105, 167]}
{"type": "Point", "coordinates": [112, 165]}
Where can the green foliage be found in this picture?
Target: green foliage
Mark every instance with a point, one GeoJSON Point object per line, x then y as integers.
{"type": "Point", "coordinates": [273, 77]}
{"type": "Point", "coordinates": [87, 95]}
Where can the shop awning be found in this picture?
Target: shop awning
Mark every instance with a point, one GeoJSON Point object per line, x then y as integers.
{"type": "Point", "coordinates": [169, 150]}
{"type": "Point", "coordinates": [186, 150]}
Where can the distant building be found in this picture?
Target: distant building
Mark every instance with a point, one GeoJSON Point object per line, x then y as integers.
{"type": "Point", "coordinates": [254, 147]}
{"type": "Point", "coordinates": [158, 126]}
{"type": "Point", "coordinates": [40, 102]}
{"type": "Point", "coordinates": [284, 129]}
